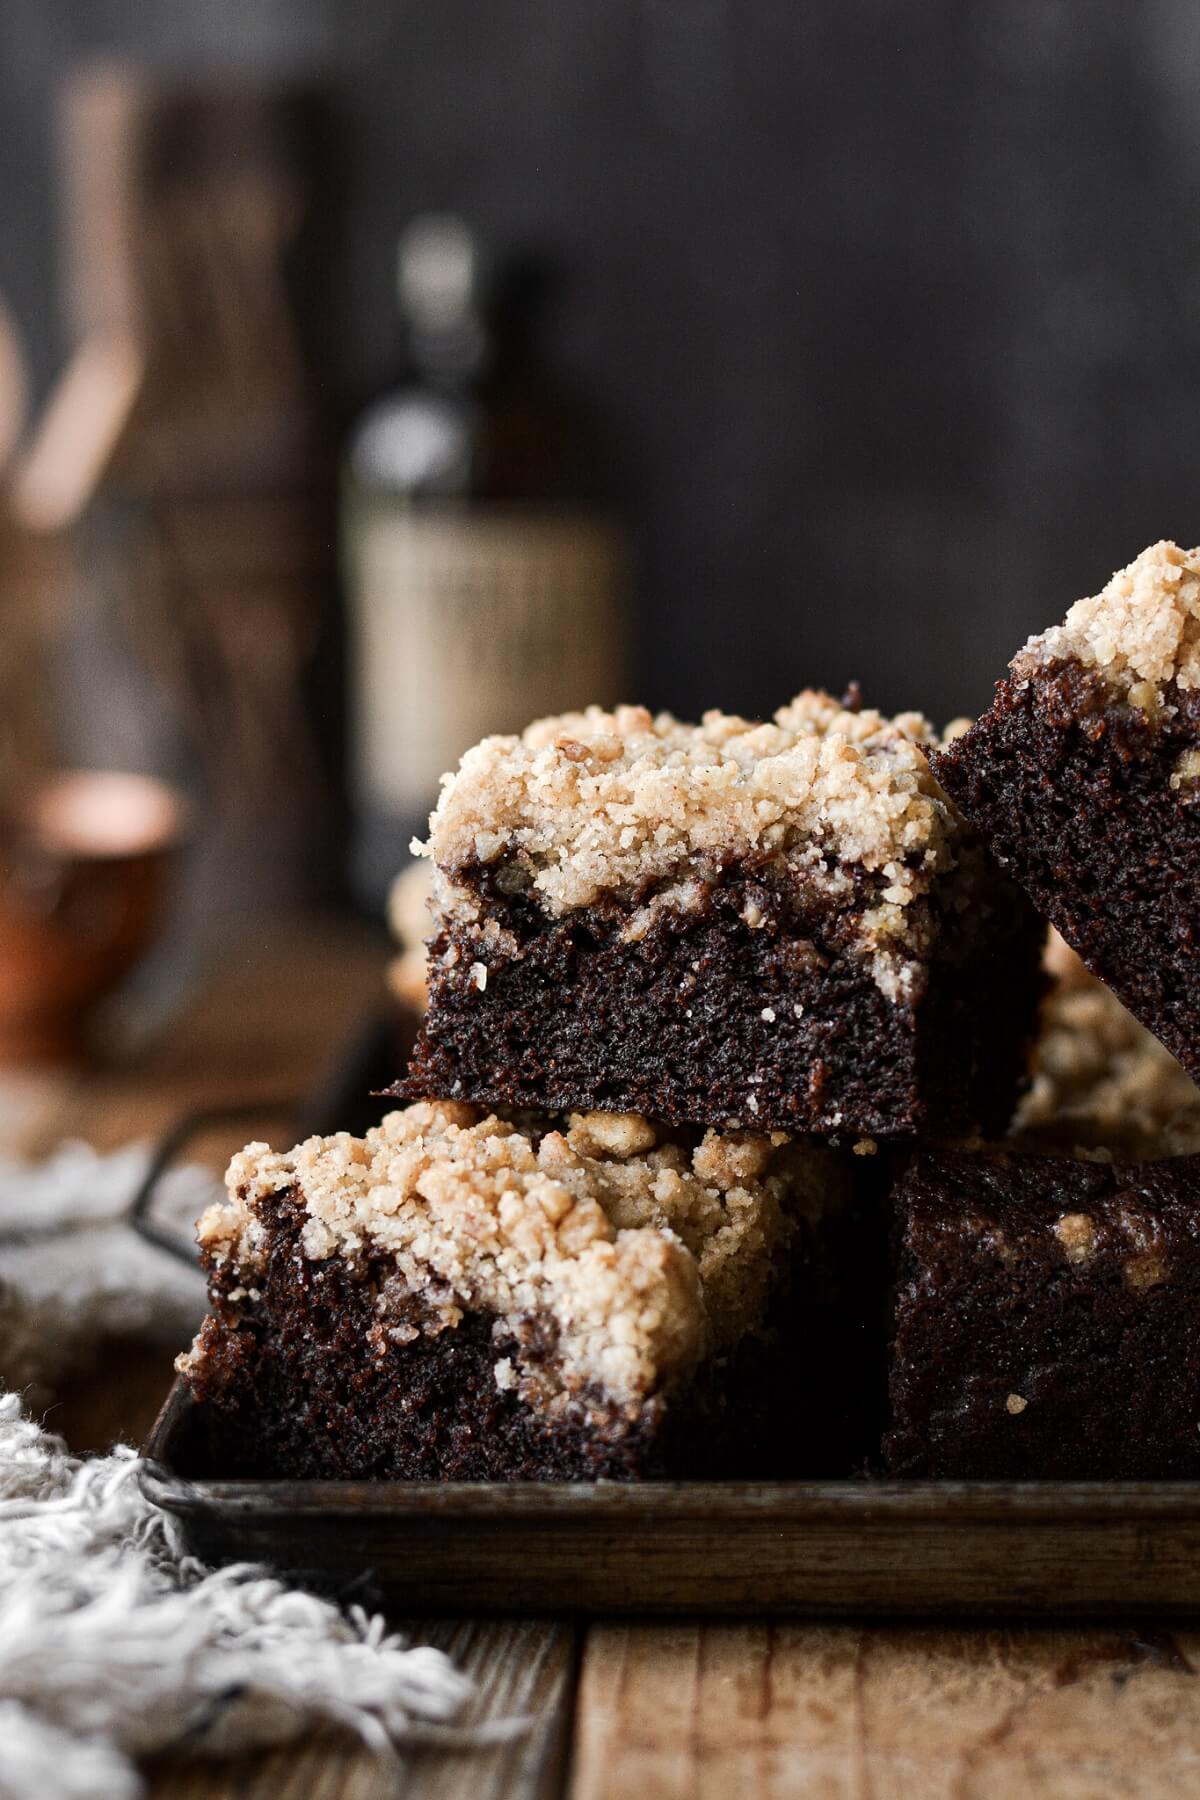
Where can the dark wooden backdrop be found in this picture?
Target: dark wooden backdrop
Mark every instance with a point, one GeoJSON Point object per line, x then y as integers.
{"type": "Point", "coordinates": [891, 311]}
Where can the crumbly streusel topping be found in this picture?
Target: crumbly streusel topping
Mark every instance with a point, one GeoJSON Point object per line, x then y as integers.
{"type": "Point", "coordinates": [1140, 632]}
{"type": "Point", "coordinates": [599, 803]}
{"type": "Point", "coordinates": [643, 1254]}
{"type": "Point", "coordinates": [1100, 1079]}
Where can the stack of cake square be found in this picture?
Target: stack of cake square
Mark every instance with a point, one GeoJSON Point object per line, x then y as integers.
{"type": "Point", "coordinates": [679, 974]}
{"type": "Point", "coordinates": [1047, 1309]}
{"type": "Point", "coordinates": [693, 1160]}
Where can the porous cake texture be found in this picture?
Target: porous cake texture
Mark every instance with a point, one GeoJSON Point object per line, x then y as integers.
{"type": "Point", "coordinates": [781, 924]}
{"type": "Point", "coordinates": [1045, 1318]}
{"type": "Point", "coordinates": [1084, 776]}
{"type": "Point", "coordinates": [463, 1295]}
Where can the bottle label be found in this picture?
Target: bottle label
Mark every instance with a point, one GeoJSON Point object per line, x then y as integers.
{"type": "Point", "coordinates": [472, 623]}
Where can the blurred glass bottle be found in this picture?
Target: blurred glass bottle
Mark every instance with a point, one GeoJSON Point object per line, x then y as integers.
{"type": "Point", "coordinates": [485, 586]}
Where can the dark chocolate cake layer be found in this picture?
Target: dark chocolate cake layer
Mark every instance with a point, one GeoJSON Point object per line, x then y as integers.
{"type": "Point", "coordinates": [1073, 788]}
{"type": "Point", "coordinates": [704, 1017]}
{"type": "Point", "coordinates": [783, 923]}
{"type": "Point", "coordinates": [1084, 778]}
{"type": "Point", "coordinates": [457, 1298]}
{"type": "Point", "coordinates": [1045, 1319]}
{"type": "Point", "coordinates": [293, 1386]}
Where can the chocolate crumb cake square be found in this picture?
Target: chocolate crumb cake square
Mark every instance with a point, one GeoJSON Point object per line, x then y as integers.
{"type": "Point", "coordinates": [1045, 1318]}
{"type": "Point", "coordinates": [785, 925]}
{"type": "Point", "coordinates": [460, 1296]}
{"type": "Point", "coordinates": [1084, 777]}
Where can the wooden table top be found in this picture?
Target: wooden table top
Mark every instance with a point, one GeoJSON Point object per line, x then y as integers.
{"type": "Point", "coordinates": [629, 1711]}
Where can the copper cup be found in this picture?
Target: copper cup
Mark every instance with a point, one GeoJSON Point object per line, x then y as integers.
{"type": "Point", "coordinates": [81, 897]}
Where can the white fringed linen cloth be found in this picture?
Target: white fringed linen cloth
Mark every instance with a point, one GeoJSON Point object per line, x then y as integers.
{"type": "Point", "coordinates": [73, 1272]}
{"type": "Point", "coordinates": [114, 1644]}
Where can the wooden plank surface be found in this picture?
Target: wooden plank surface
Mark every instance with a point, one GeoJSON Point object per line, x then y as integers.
{"type": "Point", "coordinates": [523, 1668]}
{"type": "Point", "coordinates": [701, 1712]}
{"type": "Point", "coordinates": [268, 1023]}
{"type": "Point", "coordinates": [636, 1711]}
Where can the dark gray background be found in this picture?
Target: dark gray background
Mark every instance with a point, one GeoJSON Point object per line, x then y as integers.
{"type": "Point", "coordinates": [892, 310]}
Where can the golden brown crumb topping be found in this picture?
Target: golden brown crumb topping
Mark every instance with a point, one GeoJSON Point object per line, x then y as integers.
{"type": "Point", "coordinates": [641, 1253]}
{"type": "Point", "coordinates": [1140, 632]}
{"type": "Point", "coordinates": [1076, 1232]}
{"type": "Point", "coordinates": [598, 803]}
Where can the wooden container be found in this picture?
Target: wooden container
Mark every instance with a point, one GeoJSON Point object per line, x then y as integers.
{"type": "Point", "coordinates": [81, 896]}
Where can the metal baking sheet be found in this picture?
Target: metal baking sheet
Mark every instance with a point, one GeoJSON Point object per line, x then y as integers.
{"type": "Point", "coordinates": [848, 1549]}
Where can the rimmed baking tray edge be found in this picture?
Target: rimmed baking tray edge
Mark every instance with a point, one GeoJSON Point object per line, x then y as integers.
{"type": "Point", "coordinates": [821, 1548]}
